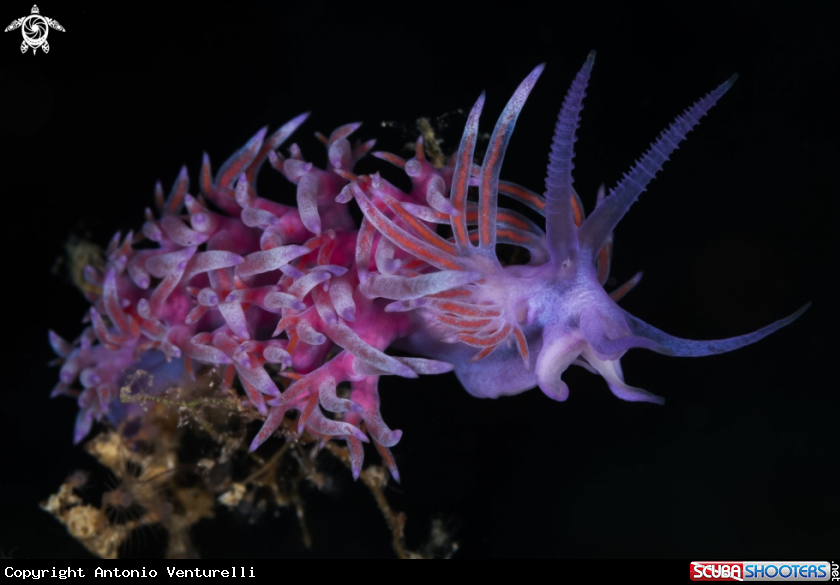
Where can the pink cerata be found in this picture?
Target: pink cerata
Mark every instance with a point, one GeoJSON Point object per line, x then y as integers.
{"type": "Point", "coordinates": [262, 290]}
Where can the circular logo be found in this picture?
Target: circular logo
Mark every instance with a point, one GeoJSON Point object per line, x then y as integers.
{"type": "Point", "coordinates": [35, 30]}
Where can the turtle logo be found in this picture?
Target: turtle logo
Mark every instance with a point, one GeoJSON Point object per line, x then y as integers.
{"type": "Point", "coordinates": [34, 28]}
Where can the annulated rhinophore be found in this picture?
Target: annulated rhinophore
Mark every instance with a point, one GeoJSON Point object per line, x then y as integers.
{"type": "Point", "coordinates": [263, 290]}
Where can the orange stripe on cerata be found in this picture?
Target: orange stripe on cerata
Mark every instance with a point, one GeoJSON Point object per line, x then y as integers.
{"type": "Point", "coordinates": [235, 170]}
{"type": "Point", "coordinates": [125, 324]}
{"type": "Point", "coordinates": [419, 227]}
{"type": "Point", "coordinates": [449, 294]}
{"type": "Point", "coordinates": [229, 372]}
{"type": "Point", "coordinates": [626, 287]}
{"type": "Point", "coordinates": [577, 210]}
{"type": "Point", "coordinates": [205, 178]}
{"type": "Point", "coordinates": [414, 263]}
{"type": "Point", "coordinates": [403, 240]}
{"type": "Point", "coordinates": [252, 169]}
{"type": "Point", "coordinates": [364, 245]}
{"type": "Point", "coordinates": [464, 323]}
{"type": "Point", "coordinates": [514, 236]}
{"type": "Point", "coordinates": [513, 221]}
{"type": "Point", "coordinates": [313, 243]}
{"type": "Point", "coordinates": [521, 344]}
{"type": "Point", "coordinates": [440, 217]}
{"type": "Point", "coordinates": [459, 190]}
{"type": "Point", "coordinates": [326, 251]}
{"type": "Point", "coordinates": [293, 341]}
{"type": "Point", "coordinates": [385, 453]}
{"type": "Point", "coordinates": [393, 159]}
{"type": "Point", "coordinates": [464, 309]}
{"type": "Point", "coordinates": [604, 263]}
{"type": "Point", "coordinates": [494, 339]}
{"type": "Point", "coordinates": [485, 203]}
{"type": "Point", "coordinates": [311, 403]}
{"type": "Point", "coordinates": [342, 132]}
{"type": "Point", "coordinates": [410, 246]}
{"type": "Point", "coordinates": [621, 291]}
{"type": "Point", "coordinates": [178, 196]}
{"type": "Point", "coordinates": [286, 322]}
{"type": "Point", "coordinates": [483, 353]}
{"type": "Point", "coordinates": [346, 175]}
{"type": "Point", "coordinates": [523, 194]}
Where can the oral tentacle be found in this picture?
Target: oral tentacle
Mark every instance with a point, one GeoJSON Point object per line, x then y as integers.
{"type": "Point", "coordinates": [670, 345]}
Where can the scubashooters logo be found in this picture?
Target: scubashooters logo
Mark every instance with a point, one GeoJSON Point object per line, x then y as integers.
{"type": "Point", "coordinates": [790, 571]}
{"type": "Point", "coordinates": [35, 29]}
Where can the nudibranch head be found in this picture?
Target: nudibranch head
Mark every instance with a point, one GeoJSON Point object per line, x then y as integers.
{"type": "Point", "coordinates": [523, 326]}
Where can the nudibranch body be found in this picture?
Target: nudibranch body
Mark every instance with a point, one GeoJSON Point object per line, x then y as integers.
{"type": "Point", "coordinates": [258, 288]}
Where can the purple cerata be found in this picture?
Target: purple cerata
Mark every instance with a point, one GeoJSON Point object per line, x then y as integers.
{"type": "Point", "coordinates": [260, 290]}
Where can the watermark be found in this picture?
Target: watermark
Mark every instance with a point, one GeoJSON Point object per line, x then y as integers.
{"type": "Point", "coordinates": [35, 29]}
{"type": "Point", "coordinates": [764, 571]}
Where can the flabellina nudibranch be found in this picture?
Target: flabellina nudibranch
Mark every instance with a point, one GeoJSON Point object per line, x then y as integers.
{"type": "Point", "coordinates": [262, 290]}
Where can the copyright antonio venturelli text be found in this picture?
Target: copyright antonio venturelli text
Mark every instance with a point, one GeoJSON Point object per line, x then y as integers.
{"type": "Point", "coordinates": [70, 573]}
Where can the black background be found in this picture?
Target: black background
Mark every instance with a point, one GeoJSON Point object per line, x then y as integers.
{"type": "Point", "coordinates": [737, 232]}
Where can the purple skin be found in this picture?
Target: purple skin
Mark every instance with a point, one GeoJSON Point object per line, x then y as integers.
{"type": "Point", "coordinates": [304, 289]}
{"type": "Point", "coordinates": [564, 313]}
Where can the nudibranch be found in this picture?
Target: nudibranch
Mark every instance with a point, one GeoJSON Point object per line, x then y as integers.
{"type": "Point", "coordinates": [263, 291]}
